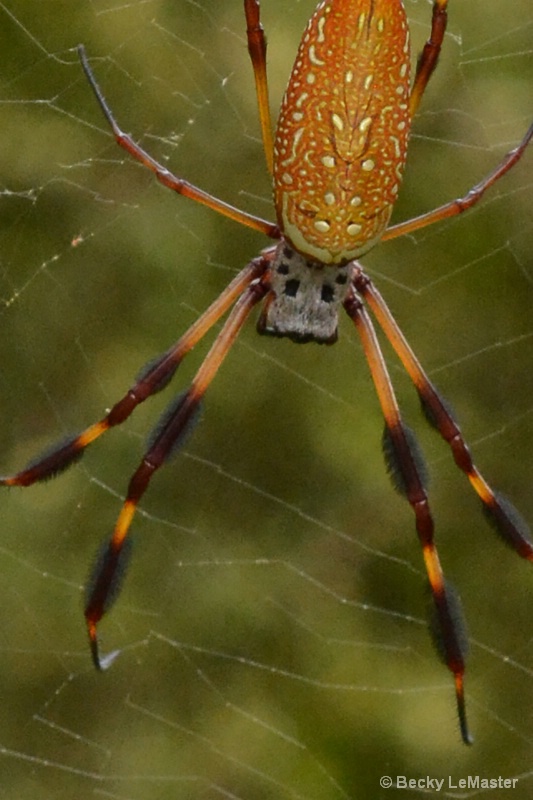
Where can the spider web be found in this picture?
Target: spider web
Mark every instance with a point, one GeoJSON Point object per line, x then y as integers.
{"type": "Point", "coordinates": [273, 623]}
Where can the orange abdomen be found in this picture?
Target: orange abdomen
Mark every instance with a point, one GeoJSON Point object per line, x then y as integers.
{"type": "Point", "coordinates": [342, 132]}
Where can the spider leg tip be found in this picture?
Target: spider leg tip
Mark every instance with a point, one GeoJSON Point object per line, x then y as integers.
{"type": "Point", "coordinates": [466, 736]}
{"type": "Point", "coordinates": [101, 663]}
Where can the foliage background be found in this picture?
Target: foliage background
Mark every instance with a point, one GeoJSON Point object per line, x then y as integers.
{"type": "Point", "coordinates": [273, 619]}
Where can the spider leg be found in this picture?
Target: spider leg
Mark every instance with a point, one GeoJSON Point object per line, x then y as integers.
{"type": "Point", "coordinates": [501, 512]}
{"type": "Point", "coordinates": [167, 178]}
{"type": "Point", "coordinates": [461, 204]}
{"type": "Point", "coordinates": [407, 470]}
{"type": "Point", "coordinates": [104, 582]}
{"type": "Point", "coordinates": [427, 61]}
{"type": "Point", "coordinates": [153, 378]}
{"type": "Point", "coordinates": [257, 48]}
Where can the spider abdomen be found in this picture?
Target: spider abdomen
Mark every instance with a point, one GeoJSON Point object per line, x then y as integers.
{"type": "Point", "coordinates": [342, 133]}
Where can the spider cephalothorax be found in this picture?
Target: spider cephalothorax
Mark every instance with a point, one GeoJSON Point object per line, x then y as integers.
{"type": "Point", "coordinates": [304, 298]}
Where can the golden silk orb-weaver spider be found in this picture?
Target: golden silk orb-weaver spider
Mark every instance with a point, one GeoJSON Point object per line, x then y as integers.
{"type": "Point", "coordinates": [336, 159]}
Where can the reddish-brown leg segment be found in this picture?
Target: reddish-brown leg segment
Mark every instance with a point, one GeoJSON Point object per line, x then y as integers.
{"type": "Point", "coordinates": [104, 583]}
{"type": "Point", "coordinates": [461, 204]}
{"type": "Point", "coordinates": [407, 470]}
{"type": "Point", "coordinates": [167, 178]}
{"type": "Point", "coordinates": [500, 511]}
{"type": "Point", "coordinates": [257, 49]}
{"type": "Point", "coordinates": [154, 377]}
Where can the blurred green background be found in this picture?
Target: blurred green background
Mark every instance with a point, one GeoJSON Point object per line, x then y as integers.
{"type": "Point", "coordinates": [273, 619]}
